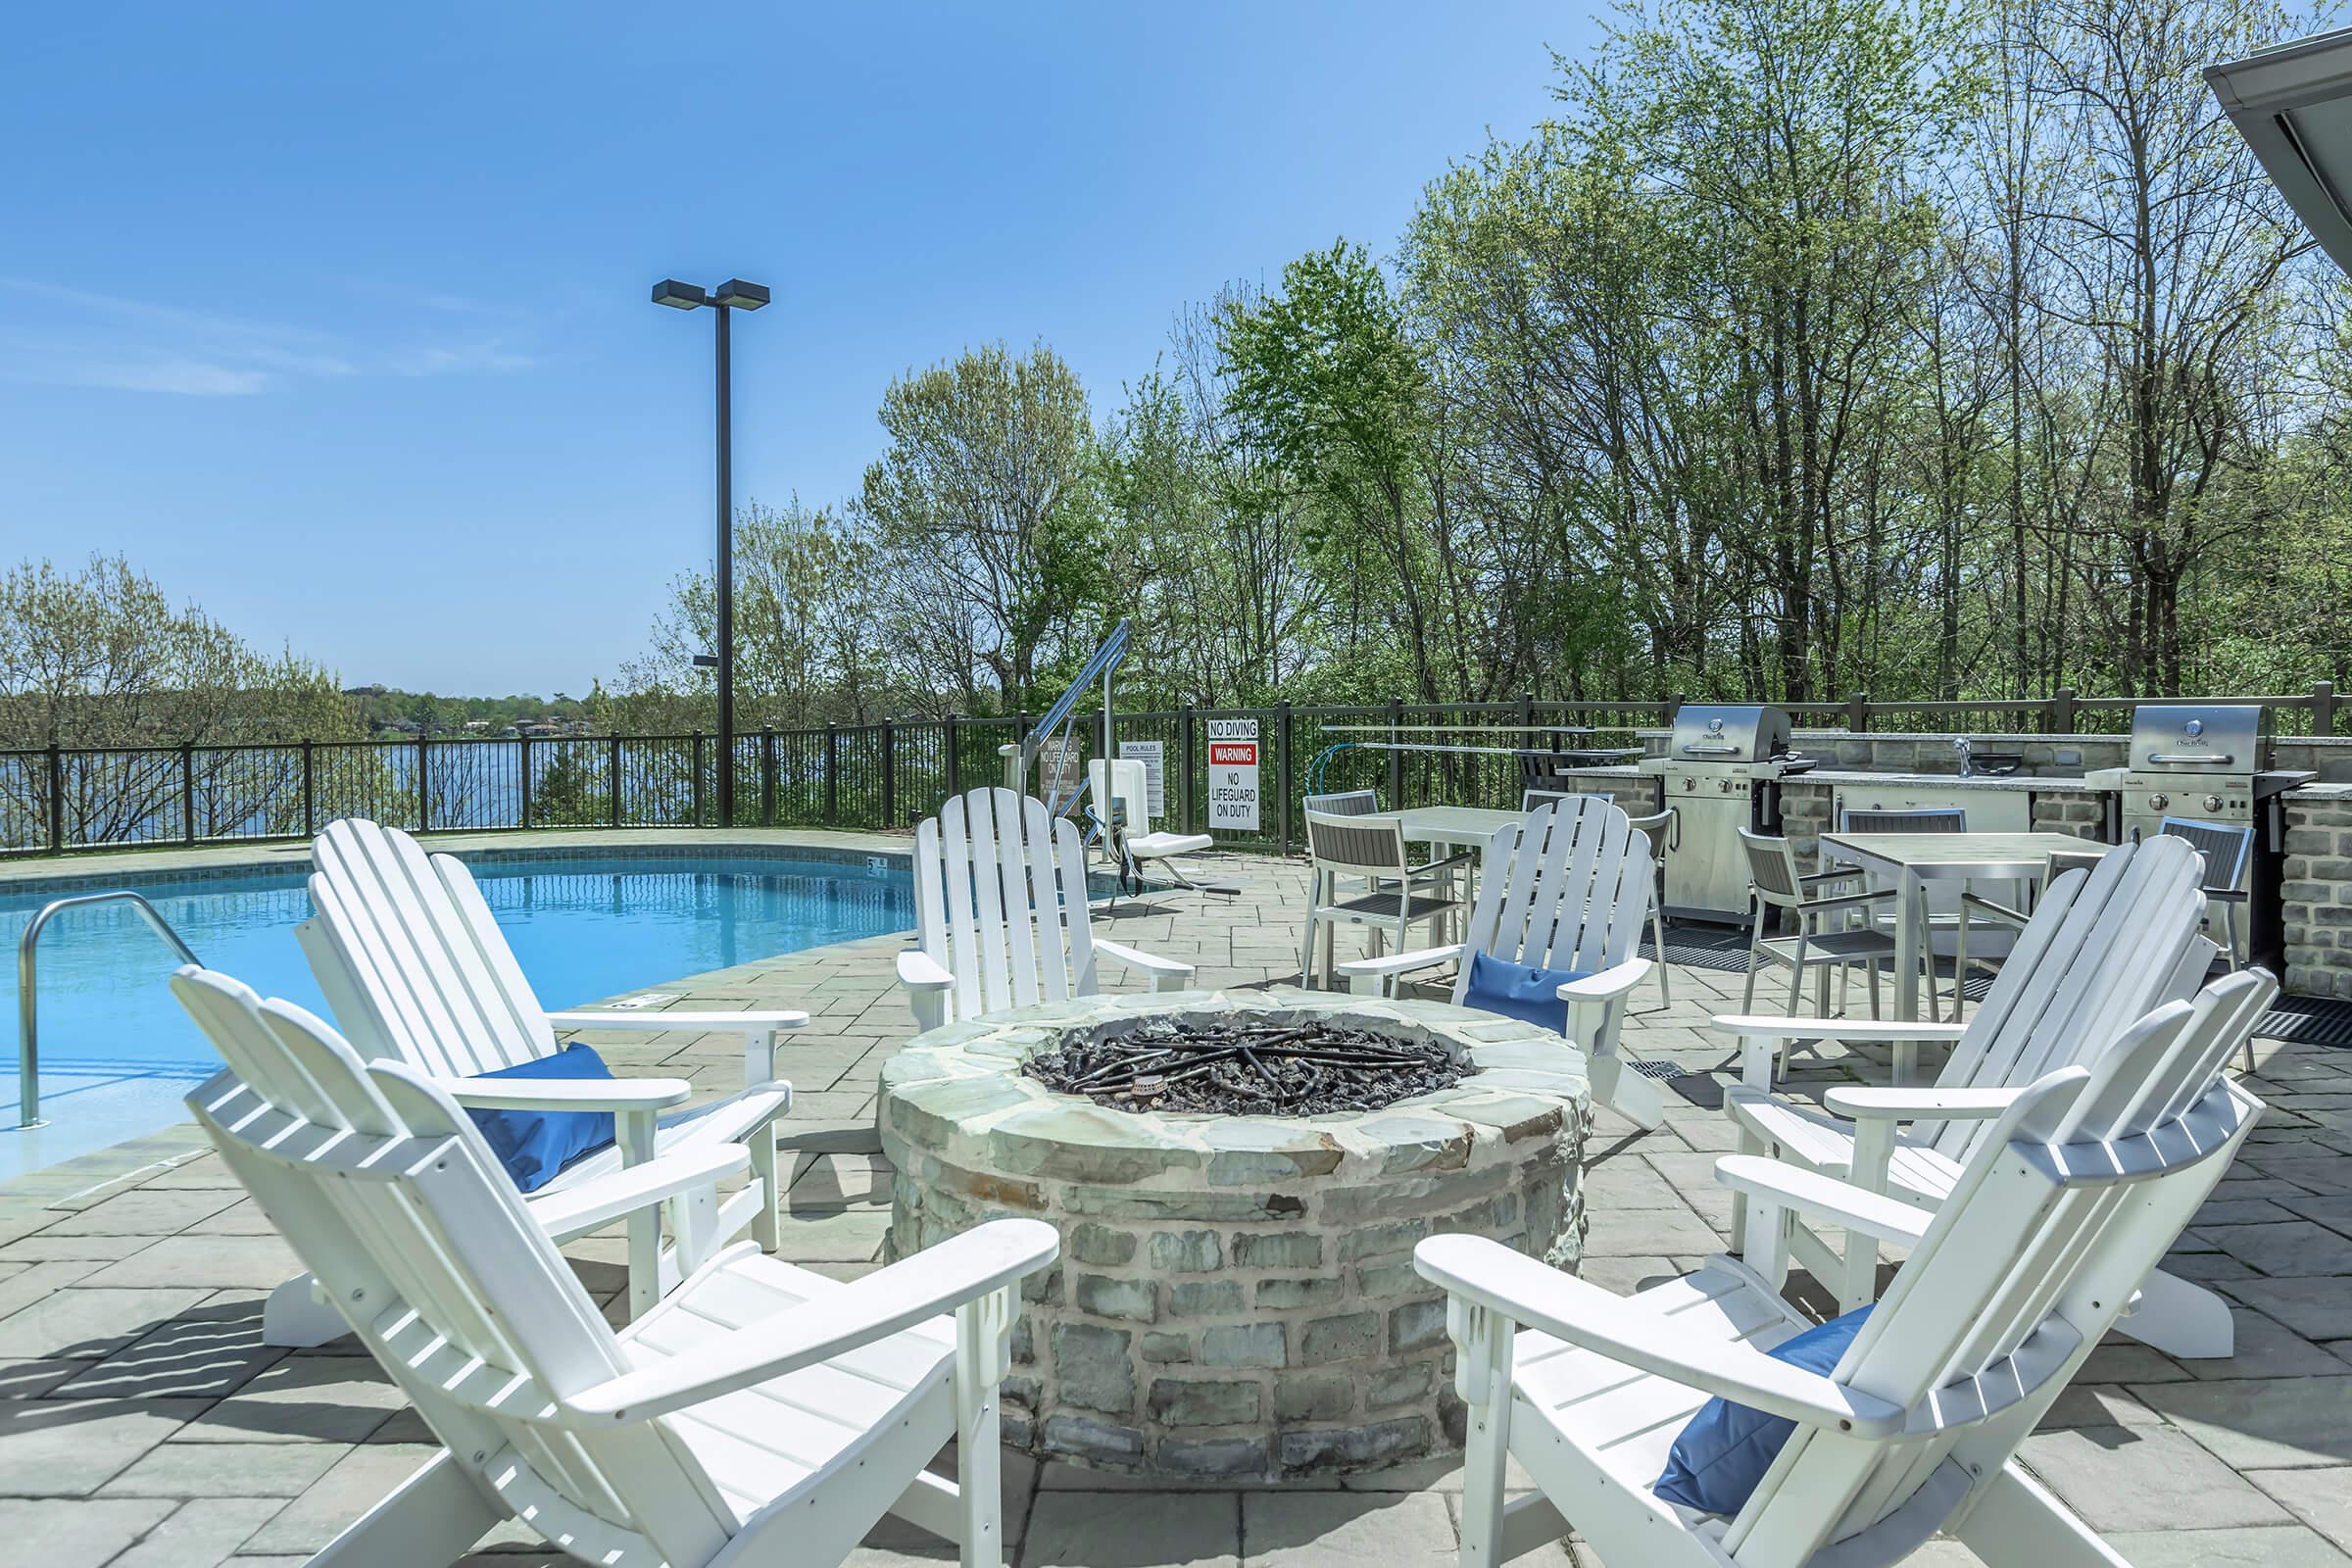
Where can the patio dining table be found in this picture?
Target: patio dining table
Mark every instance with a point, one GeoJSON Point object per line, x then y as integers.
{"type": "Point", "coordinates": [1911, 860]}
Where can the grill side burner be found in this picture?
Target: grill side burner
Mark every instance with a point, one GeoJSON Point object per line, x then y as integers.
{"type": "Point", "coordinates": [1721, 773]}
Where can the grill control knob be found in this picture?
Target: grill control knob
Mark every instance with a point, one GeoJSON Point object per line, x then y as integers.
{"type": "Point", "coordinates": [2213, 802]}
{"type": "Point", "coordinates": [2157, 802]}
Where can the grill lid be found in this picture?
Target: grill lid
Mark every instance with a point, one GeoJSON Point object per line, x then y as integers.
{"type": "Point", "coordinates": [2200, 738]}
{"type": "Point", "coordinates": [1728, 733]}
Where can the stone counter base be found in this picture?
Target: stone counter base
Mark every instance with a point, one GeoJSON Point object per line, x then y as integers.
{"type": "Point", "coordinates": [1236, 1296]}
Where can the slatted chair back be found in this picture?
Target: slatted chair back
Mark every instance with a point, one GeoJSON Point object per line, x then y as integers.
{"type": "Point", "coordinates": [1566, 886]}
{"type": "Point", "coordinates": [1772, 869]}
{"type": "Point", "coordinates": [411, 959]}
{"type": "Point", "coordinates": [2084, 1183]}
{"type": "Point", "coordinates": [2224, 845]}
{"type": "Point", "coordinates": [1346, 802]}
{"type": "Point", "coordinates": [388, 1195]}
{"type": "Point", "coordinates": [999, 902]}
{"type": "Point", "coordinates": [1355, 845]}
{"type": "Point", "coordinates": [1530, 799]}
{"type": "Point", "coordinates": [2103, 947]}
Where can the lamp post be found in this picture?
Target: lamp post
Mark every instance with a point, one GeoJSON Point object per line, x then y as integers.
{"type": "Point", "coordinates": [724, 300]}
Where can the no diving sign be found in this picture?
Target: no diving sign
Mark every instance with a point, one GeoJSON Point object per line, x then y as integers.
{"type": "Point", "coordinates": [1233, 776]}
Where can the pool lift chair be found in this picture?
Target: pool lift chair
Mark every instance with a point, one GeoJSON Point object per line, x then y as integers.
{"type": "Point", "coordinates": [1118, 797]}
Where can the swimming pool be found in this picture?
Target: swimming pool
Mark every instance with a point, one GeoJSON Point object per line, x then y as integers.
{"type": "Point", "coordinates": [117, 1054]}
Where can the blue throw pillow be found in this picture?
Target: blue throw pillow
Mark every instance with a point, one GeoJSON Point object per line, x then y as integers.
{"type": "Point", "coordinates": [535, 1144]}
{"type": "Point", "coordinates": [1520, 990]}
{"type": "Point", "coordinates": [1726, 1448]}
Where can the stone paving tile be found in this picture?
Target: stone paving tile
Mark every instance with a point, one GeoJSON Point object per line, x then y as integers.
{"type": "Point", "coordinates": [1115, 1530]}
{"type": "Point", "coordinates": [80, 1534]}
{"type": "Point", "coordinates": [140, 1270]}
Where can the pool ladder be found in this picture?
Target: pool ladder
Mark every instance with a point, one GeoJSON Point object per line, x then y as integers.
{"type": "Point", "coordinates": [28, 1002]}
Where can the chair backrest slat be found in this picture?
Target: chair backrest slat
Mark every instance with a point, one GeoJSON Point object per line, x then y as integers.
{"type": "Point", "coordinates": [1001, 902]}
{"type": "Point", "coordinates": [405, 1221]}
{"type": "Point", "coordinates": [1772, 869]}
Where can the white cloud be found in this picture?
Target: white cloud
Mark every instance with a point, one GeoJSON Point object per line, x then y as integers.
{"type": "Point", "coordinates": [141, 346]}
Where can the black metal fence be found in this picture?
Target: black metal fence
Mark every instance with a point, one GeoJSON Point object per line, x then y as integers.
{"type": "Point", "coordinates": [886, 775]}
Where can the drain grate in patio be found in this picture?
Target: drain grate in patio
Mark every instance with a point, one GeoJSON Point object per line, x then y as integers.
{"type": "Point", "coordinates": [2310, 1021]}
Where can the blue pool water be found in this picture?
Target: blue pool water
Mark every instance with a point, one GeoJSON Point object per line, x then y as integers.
{"type": "Point", "coordinates": [117, 1054]}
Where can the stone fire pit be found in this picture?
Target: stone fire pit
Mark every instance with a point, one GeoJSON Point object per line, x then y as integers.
{"type": "Point", "coordinates": [1235, 1296]}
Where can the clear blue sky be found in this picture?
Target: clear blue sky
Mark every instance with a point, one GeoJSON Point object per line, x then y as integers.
{"type": "Point", "coordinates": [334, 318]}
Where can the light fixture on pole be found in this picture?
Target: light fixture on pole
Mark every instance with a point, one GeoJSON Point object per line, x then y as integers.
{"type": "Point", "coordinates": [735, 294]}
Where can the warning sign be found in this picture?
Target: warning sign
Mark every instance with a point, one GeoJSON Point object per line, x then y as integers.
{"type": "Point", "coordinates": [1233, 776]}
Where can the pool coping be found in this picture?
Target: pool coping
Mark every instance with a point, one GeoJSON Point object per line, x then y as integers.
{"type": "Point", "coordinates": [95, 869]}
{"type": "Point", "coordinates": [143, 1152]}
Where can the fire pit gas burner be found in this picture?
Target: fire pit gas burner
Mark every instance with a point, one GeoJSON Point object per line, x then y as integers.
{"type": "Point", "coordinates": [1240, 1068]}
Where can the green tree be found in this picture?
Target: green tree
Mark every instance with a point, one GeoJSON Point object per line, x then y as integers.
{"type": "Point", "coordinates": [986, 510]}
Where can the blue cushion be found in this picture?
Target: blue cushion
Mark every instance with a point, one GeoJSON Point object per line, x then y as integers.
{"type": "Point", "coordinates": [1726, 1448]}
{"type": "Point", "coordinates": [535, 1144]}
{"type": "Point", "coordinates": [1519, 990]}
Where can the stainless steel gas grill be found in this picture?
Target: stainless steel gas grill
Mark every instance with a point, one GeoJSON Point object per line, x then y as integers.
{"type": "Point", "coordinates": [1721, 772]}
{"type": "Point", "coordinates": [2210, 763]}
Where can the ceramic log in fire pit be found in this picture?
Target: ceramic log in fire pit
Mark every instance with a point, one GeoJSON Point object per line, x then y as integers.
{"type": "Point", "coordinates": [1235, 1296]}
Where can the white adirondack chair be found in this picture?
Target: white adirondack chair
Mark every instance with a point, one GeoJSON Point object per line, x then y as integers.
{"type": "Point", "coordinates": [764, 1414]}
{"type": "Point", "coordinates": [2083, 1181]}
{"type": "Point", "coordinates": [417, 970]}
{"type": "Point", "coordinates": [1566, 886]}
{"type": "Point", "coordinates": [1001, 912]}
{"type": "Point", "coordinates": [2105, 946]}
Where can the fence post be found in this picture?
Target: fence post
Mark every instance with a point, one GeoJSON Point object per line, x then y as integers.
{"type": "Point", "coordinates": [187, 792]}
{"type": "Point", "coordinates": [767, 775]}
{"type": "Point", "coordinates": [1396, 757]}
{"type": "Point", "coordinates": [1184, 769]}
{"type": "Point", "coordinates": [890, 773]}
{"type": "Point", "coordinates": [1857, 713]}
{"type": "Point", "coordinates": [2323, 707]}
{"type": "Point", "coordinates": [694, 773]}
{"type": "Point", "coordinates": [310, 794]}
{"type": "Point", "coordinates": [1285, 814]}
{"type": "Point", "coordinates": [57, 799]}
{"type": "Point", "coordinates": [2062, 711]}
{"type": "Point", "coordinates": [424, 776]}
{"type": "Point", "coordinates": [612, 761]}
{"type": "Point", "coordinates": [1526, 721]}
{"type": "Point", "coordinates": [832, 773]}
{"type": "Point", "coordinates": [954, 758]}
{"type": "Point", "coordinates": [522, 770]}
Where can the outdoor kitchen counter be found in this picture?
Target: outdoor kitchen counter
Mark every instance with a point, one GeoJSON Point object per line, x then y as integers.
{"type": "Point", "coordinates": [2038, 784]}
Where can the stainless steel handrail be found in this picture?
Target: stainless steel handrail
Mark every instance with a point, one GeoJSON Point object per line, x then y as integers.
{"type": "Point", "coordinates": [28, 1002]}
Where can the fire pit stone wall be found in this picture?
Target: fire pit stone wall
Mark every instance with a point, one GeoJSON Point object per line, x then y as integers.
{"type": "Point", "coordinates": [1235, 1296]}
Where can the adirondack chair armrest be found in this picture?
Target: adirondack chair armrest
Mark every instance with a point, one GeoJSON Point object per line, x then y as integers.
{"type": "Point", "coordinates": [1759, 1034]}
{"type": "Point", "coordinates": [1765, 1181]}
{"type": "Point", "coordinates": [1485, 1273]}
{"type": "Point", "coordinates": [567, 1094]}
{"type": "Point", "coordinates": [994, 1256]}
{"type": "Point", "coordinates": [1859, 1103]}
{"type": "Point", "coordinates": [757, 1028]}
{"type": "Point", "coordinates": [1608, 985]}
{"type": "Point", "coordinates": [592, 1204]}
{"type": "Point", "coordinates": [1774, 1026]}
{"type": "Point", "coordinates": [1167, 974]}
{"type": "Point", "coordinates": [927, 982]}
{"type": "Point", "coordinates": [1367, 974]}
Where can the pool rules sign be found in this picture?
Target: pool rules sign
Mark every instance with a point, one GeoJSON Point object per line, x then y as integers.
{"type": "Point", "coordinates": [1233, 776]}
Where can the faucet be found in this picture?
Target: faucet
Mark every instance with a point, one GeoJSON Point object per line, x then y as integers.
{"type": "Point", "coordinates": [1967, 767]}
